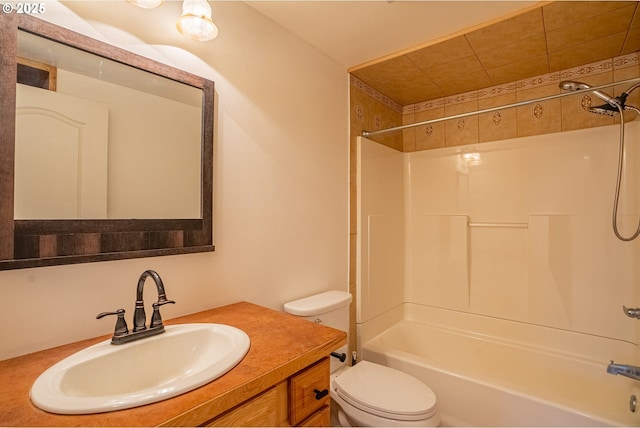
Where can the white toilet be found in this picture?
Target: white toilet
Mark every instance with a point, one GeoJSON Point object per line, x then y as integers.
{"type": "Point", "coordinates": [367, 394]}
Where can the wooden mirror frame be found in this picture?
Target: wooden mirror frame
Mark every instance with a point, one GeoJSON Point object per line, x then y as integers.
{"type": "Point", "coordinates": [33, 243]}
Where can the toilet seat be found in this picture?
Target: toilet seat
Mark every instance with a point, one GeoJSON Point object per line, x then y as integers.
{"type": "Point", "coordinates": [385, 392]}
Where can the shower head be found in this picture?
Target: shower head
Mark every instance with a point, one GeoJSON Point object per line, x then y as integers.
{"type": "Point", "coordinates": [605, 109]}
{"type": "Point", "coordinates": [619, 103]}
{"type": "Point", "coordinates": [570, 85]}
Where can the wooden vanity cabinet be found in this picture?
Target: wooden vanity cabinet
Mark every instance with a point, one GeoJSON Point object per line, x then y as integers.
{"type": "Point", "coordinates": [266, 388]}
{"type": "Point", "coordinates": [301, 400]}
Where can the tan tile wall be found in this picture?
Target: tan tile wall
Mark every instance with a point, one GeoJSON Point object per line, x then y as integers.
{"type": "Point", "coordinates": [534, 119]}
{"type": "Point", "coordinates": [372, 111]}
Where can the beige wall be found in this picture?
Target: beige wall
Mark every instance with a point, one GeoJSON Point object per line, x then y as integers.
{"type": "Point", "coordinates": [280, 183]}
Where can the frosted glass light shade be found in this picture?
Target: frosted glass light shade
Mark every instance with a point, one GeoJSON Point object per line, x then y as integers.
{"type": "Point", "coordinates": [146, 4]}
{"type": "Point", "coordinates": [196, 22]}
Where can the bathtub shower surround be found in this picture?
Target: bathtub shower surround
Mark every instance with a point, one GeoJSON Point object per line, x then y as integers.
{"type": "Point", "coordinates": [516, 234]}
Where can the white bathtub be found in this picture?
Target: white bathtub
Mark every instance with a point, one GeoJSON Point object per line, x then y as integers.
{"type": "Point", "coordinates": [524, 376]}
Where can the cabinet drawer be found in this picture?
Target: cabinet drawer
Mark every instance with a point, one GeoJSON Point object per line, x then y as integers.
{"type": "Point", "coordinates": [257, 412]}
{"type": "Point", "coordinates": [308, 391]}
{"type": "Point", "coordinates": [322, 418]}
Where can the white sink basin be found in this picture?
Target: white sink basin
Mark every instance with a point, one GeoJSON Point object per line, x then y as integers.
{"type": "Point", "coordinates": [106, 377]}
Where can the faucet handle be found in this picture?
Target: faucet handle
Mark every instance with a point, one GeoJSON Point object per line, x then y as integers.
{"type": "Point", "coordinates": [631, 312]}
{"type": "Point", "coordinates": [156, 319]}
{"type": "Point", "coordinates": [121, 325]}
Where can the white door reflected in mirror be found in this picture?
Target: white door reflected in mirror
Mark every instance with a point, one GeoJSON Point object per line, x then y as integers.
{"type": "Point", "coordinates": [61, 156]}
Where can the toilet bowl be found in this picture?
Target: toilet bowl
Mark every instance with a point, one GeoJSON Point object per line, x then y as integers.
{"type": "Point", "coordinates": [370, 394]}
{"type": "Point", "coordinates": [367, 394]}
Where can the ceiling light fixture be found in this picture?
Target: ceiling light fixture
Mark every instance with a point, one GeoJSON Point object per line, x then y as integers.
{"type": "Point", "coordinates": [146, 4]}
{"type": "Point", "coordinates": [196, 22]}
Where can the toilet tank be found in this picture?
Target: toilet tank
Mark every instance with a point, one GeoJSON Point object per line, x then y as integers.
{"type": "Point", "coordinates": [331, 309]}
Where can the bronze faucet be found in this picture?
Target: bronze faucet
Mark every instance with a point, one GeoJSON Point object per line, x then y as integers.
{"type": "Point", "coordinates": [121, 333]}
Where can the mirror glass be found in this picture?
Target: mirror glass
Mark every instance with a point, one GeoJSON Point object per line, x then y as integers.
{"type": "Point", "coordinates": [104, 154]}
{"type": "Point", "coordinates": [109, 142]}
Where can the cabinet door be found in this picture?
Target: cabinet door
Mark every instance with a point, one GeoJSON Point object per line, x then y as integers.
{"type": "Point", "coordinates": [308, 391]}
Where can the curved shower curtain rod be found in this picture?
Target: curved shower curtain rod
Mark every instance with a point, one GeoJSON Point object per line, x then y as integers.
{"type": "Point", "coordinates": [367, 134]}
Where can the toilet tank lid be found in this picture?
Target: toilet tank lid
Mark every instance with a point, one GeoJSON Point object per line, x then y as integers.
{"type": "Point", "coordinates": [318, 304]}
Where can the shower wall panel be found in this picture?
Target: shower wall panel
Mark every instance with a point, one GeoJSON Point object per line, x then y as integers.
{"type": "Point", "coordinates": [380, 244]}
{"type": "Point", "coordinates": [517, 229]}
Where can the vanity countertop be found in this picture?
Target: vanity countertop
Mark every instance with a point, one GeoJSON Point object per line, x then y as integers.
{"type": "Point", "coordinates": [281, 345]}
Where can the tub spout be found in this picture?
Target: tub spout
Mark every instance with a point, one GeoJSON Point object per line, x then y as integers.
{"type": "Point", "coordinates": [632, 372]}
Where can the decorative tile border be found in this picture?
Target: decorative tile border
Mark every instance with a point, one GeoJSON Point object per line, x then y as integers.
{"type": "Point", "coordinates": [505, 88]}
{"type": "Point", "coordinates": [631, 60]}
{"type": "Point", "coordinates": [587, 69]}
{"type": "Point", "coordinates": [423, 106]}
{"type": "Point", "coordinates": [464, 97]}
{"type": "Point", "coordinates": [538, 81]}
{"type": "Point", "coordinates": [355, 82]}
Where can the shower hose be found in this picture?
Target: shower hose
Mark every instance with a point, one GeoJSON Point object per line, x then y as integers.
{"type": "Point", "coordinates": [619, 180]}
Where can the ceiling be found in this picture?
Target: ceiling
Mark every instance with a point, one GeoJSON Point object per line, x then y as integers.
{"type": "Point", "coordinates": [354, 32]}
{"type": "Point", "coordinates": [413, 51]}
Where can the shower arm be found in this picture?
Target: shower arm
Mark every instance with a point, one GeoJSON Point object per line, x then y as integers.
{"type": "Point", "coordinates": [367, 134]}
